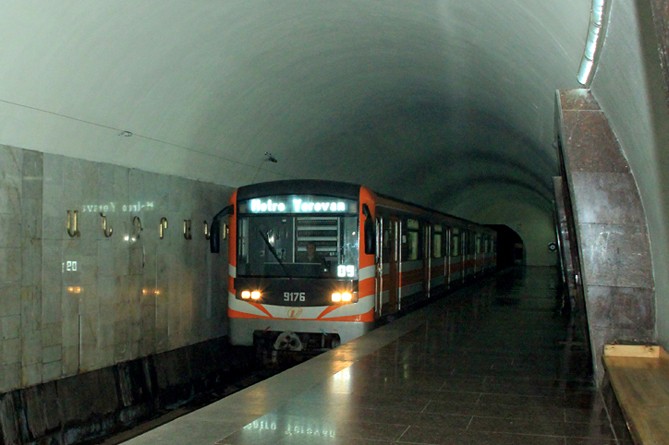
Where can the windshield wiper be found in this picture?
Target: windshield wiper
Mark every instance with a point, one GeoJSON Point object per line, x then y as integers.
{"type": "Point", "coordinates": [273, 251]}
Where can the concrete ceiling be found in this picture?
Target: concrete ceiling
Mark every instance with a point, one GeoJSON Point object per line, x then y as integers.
{"type": "Point", "coordinates": [446, 102]}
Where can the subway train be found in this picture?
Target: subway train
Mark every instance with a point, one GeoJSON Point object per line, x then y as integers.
{"type": "Point", "coordinates": [314, 263]}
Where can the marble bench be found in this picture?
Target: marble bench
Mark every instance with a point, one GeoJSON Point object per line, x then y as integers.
{"type": "Point", "coordinates": [639, 377]}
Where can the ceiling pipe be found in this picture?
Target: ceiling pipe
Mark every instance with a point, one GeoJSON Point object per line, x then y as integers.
{"type": "Point", "coordinates": [594, 42]}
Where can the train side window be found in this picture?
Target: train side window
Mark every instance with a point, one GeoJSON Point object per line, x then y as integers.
{"type": "Point", "coordinates": [455, 243]}
{"type": "Point", "coordinates": [412, 247]}
{"type": "Point", "coordinates": [477, 248]}
{"type": "Point", "coordinates": [386, 240]}
{"type": "Point", "coordinates": [436, 241]}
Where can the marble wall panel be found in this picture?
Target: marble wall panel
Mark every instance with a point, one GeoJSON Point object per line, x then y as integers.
{"type": "Point", "coordinates": [10, 376]}
{"type": "Point", "coordinates": [51, 354]}
{"type": "Point", "coordinates": [606, 198]}
{"type": "Point", "coordinates": [52, 281]}
{"type": "Point", "coordinates": [135, 328]}
{"type": "Point", "coordinates": [70, 304]}
{"type": "Point", "coordinates": [615, 255]}
{"type": "Point", "coordinates": [161, 291]}
{"type": "Point", "coordinates": [51, 371]}
{"type": "Point", "coordinates": [108, 288]}
{"type": "Point", "coordinates": [10, 265]}
{"type": "Point", "coordinates": [147, 340]}
{"type": "Point", "coordinates": [71, 332]}
{"type": "Point", "coordinates": [7, 372]}
{"type": "Point", "coordinates": [51, 334]}
{"type": "Point", "coordinates": [621, 307]}
{"type": "Point", "coordinates": [10, 227]}
{"type": "Point", "coordinates": [10, 351]}
{"type": "Point", "coordinates": [589, 129]}
{"type": "Point", "coordinates": [31, 336]}
{"type": "Point", "coordinates": [31, 252]}
{"type": "Point", "coordinates": [10, 300]}
{"type": "Point", "coordinates": [10, 328]}
{"type": "Point", "coordinates": [30, 374]}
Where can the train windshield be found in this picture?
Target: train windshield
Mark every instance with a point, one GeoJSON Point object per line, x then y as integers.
{"type": "Point", "coordinates": [298, 244]}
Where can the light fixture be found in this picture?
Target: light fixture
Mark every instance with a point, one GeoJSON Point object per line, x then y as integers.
{"type": "Point", "coordinates": [344, 296]}
{"type": "Point", "coordinates": [254, 295]}
{"type": "Point", "coordinates": [593, 43]}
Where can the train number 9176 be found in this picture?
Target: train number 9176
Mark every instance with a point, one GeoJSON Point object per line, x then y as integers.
{"type": "Point", "coordinates": [294, 296]}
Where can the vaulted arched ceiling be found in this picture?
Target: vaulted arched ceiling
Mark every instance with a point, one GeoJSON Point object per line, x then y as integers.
{"type": "Point", "coordinates": [449, 103]}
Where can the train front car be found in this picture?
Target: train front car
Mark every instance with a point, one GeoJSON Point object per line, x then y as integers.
{"type": "Point", "coordinates": [295, 270]}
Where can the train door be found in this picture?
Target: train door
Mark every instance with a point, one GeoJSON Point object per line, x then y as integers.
{"type": "Point", "coordinates": [389, 299]}
{"type": "Point", "coordinates": [456, 256]}
{"type": "Point", "coordinates": [477, 253]}
{"type": "Point", "coordinates": [447, 256]}
{"type": "Point", "coordinates": [380, 258]}
{"type": "Point", "coordinates": [427, 260]}
{"type": "Point", "coordinates": [465, 254]}
{"type": "Point", "coordinates": [437, 270]}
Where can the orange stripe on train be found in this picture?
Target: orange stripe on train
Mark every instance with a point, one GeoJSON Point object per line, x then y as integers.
{"type": "Point", "coordinates": [366, 317]}
{"type": "Point", "coordinates": [258, 306]}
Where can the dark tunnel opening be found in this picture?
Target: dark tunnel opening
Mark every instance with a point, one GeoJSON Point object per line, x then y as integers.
{"type": "Point", "coordinates": [510, 247]}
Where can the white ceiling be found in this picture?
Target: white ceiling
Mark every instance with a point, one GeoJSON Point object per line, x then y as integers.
{"type": "Point", "coordinates": [430, 100]}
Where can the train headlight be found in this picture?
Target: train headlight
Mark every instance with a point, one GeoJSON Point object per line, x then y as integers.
{"type": "Point", "coordinates": [344, 296]}
{"type": "Point", "coordinates": [254, 295]}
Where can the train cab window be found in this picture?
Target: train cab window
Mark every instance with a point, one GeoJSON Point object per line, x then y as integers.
{"type": "Point", "coordinates": [296, 245]}
{"type": "Point", "coordinates": [411, 249]}
{"type": "Point", "coordinates": [436, 241]}
{"type": "Point", "coordinates": [455, 243]}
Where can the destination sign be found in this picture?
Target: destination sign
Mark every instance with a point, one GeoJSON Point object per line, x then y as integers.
{"type": "Point", "coordinates": [298, 204]}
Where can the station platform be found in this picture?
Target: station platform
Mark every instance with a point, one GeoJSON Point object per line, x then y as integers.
{"type": "Point", "coordinates": [489, 364]}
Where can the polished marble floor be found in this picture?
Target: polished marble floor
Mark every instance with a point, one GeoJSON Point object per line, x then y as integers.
{"type": "Point", "coordinates": [494, 364]}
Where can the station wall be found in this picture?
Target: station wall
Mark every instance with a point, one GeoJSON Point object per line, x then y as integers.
{"type": "Point", "coordinates": [632, 90]}
{"type": "Point", "coordinates": [71, 304]}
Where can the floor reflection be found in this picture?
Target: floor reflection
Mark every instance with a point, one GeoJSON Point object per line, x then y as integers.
{"type": "Point", "coordinates": [499, 363]}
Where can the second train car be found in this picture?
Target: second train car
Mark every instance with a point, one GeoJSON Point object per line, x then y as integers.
{"type": "Point", "coordinates": [314, 263]}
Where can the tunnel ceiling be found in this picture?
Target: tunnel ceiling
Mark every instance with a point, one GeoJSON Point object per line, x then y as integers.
{"type": "Point", "coordinates": [447, 102]}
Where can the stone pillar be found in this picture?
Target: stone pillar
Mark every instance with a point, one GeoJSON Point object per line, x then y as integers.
{"type": "Point", "coordinates": [610, 226]}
